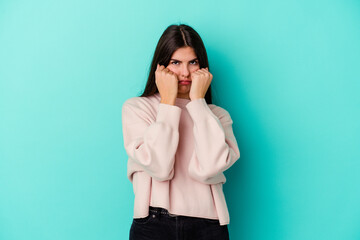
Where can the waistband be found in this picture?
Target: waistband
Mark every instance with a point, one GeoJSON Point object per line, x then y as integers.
{"type": "Point", "coordinates": [160, 211]}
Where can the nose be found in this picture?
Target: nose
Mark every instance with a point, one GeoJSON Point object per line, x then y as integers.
{"type": "Point", "coordinates": [185, 70]}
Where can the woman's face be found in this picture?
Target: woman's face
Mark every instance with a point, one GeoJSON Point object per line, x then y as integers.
{"type": "Point", "coordinates": [183, 62]}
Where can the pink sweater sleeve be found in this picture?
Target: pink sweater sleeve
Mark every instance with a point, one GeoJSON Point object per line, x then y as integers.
{"type": "Point", "coordinates": [151, 143]}
{"type": "Point", "coordinates": [216, 147]}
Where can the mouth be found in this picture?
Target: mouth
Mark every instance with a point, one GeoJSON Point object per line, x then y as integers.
{"type": "Point", "coordinates": [184, 82]}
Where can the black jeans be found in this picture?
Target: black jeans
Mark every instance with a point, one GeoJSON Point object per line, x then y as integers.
{"type": "Point", "coordinates": [159, 225]}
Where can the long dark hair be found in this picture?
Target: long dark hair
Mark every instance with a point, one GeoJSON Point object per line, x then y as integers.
{"type": "Point", "coordinates": [174, 37]}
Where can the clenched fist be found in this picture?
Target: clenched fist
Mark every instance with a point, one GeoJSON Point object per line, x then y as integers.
{"type": "Point", "coordinates": [201, 80]}
{"type": "Point", "coordinates": [167, 84]}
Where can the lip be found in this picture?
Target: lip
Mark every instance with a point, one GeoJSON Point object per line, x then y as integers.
{"type": "Point", "coordinates": [184, 82]}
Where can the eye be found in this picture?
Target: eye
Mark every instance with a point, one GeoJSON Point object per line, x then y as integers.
{"type": "Point", "coordinates": [175, 62]}
{"type": "Point", "coordinates": [194, 62]}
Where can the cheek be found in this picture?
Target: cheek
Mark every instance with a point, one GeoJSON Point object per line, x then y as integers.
{"type": "Point", "coordinates": [194, 68]}
{"type": "Point", "coordinates": [173, 69]}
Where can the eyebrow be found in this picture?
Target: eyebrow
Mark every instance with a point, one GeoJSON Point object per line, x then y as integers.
{"type": "Point", "coordinates": [180, 61]}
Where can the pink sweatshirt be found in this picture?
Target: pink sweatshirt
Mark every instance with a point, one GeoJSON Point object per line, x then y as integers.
{"type": "Point", "coordinates": [177, 155]}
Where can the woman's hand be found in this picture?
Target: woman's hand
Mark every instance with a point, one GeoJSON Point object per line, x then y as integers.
{"type": "Point", "coordinates": [167, 84]}
{"type": "Point", "coordinates": [201, 80]}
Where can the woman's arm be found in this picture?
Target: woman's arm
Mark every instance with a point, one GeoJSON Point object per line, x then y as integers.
{"type": "Point", "coordinates": [216, 147]}
{"type": "Point", "coordinates": [151, 145]}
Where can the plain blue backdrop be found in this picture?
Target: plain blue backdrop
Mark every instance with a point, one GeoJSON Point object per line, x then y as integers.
{"type": "Point", "coordinates": [287, 71]}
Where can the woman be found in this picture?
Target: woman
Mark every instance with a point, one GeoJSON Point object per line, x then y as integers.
{"type": "Point", "coordinates": [179, 144]}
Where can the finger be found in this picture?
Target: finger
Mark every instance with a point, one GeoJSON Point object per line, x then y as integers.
{"type": "Point", "coordinates": [169, 70]}
{"type": "Point", "coordinates": [201, 71]}
{"type": "Point", "coordinates": [205, 71]}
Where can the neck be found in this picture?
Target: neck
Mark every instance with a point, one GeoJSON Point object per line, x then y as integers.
{"type": "Point", "coordinates": [185, 96]}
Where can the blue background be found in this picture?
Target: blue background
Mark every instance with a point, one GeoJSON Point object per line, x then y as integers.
{"type": "Point", "coordinates": [287, 71]}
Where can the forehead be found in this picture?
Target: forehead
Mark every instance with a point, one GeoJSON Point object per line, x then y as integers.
{"type": "Point", "coordinates": [184, 54]}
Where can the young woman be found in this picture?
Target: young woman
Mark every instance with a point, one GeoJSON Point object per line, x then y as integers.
{"type": "Point", "coordinates": [179, 144]}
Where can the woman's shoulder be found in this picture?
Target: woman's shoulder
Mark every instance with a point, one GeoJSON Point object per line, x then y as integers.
{"type": "Point", "coordinates": [139, 100]}
{"type": "Point", "coordinates": [139, 103]}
